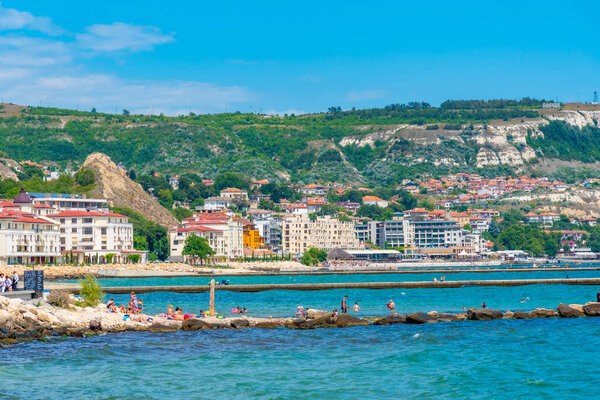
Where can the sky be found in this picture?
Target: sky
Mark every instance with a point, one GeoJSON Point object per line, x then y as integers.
{"type": "Point", "coordinates": [280, 57]}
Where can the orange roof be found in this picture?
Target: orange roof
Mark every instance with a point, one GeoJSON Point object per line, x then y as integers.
{"type": "Point", "coordinates": [32, 220]}
{"type": "Point", "coordinates": [76, 213]}
{"type": "Point", "coordinates": [417, 210]}
{"type": "Point", "coordinates": [311, 186]}
{"type": "Point", "coordinates": [196, 229]}
{"type": "Point", "coordinates": [372, 198]}
{"type": "Point", "coordinates": [232, 190]}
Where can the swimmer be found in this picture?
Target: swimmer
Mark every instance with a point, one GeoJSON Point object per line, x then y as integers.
{"type": "Point", "coordinates": [356, 307]}
{"type": "Point", "coordinates": [391, 306]}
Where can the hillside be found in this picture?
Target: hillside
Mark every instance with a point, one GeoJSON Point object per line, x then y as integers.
{"type": "Point", "coordinates": [377, 146]}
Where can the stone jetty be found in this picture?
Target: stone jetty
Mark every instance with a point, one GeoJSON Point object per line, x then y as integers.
{"type": "Point", "coordinates": [36, 319]}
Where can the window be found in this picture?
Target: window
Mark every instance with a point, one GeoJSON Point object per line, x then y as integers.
{"type": "Point", "coordinates": [73, 220]}
{"type": "Point", "coordinates": [62, 230]}
{"type": "Point", "coordinates": [103, 231]}
{"type": "Point", "coordinates": [87, 220]}
{"type": "Point", "coordinates": [88, 231]}
{"type": "Point", "coordinates": [62, 240]}
{"type": "Point", "coordinates": [62, 220]}
{"type": "Point", "coordinates": [73, 230]}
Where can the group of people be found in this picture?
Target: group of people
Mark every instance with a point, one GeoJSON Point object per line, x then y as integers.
{"type": "Point", "coordinates": [239, 310]}
{"type": "Point", "coordinates": [345, 307]}
{"type": "Point", "coordinates": [133, 311]}
{"type": "Point", "coordinates": [8, 283]}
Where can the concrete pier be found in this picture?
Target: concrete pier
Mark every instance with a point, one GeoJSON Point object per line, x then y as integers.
{"type": "Point", "coordinates": [74, 288]}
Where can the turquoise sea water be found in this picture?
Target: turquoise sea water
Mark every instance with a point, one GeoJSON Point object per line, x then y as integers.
{"type": "Point", "coordinates": [278, 303]}
{"type": "Point", "coordinates": [506, 359]}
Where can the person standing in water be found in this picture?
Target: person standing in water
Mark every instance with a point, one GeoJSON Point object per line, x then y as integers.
{"type": "Point", "coordinates": [344, 306]}
{"type": "Point", "coordinates": [391, 306]}
{"type": "Point", "coordinates": [356, 307]}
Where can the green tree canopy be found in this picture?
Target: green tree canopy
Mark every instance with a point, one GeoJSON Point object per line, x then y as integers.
{"type": "Point", "coordinates": [197, 248]}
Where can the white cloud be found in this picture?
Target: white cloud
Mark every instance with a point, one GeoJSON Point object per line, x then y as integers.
{"type": "Point", "coordinates": [359, 95]}
{"type": "Point", "coordinates": [138, 96]}
{"type": "Point", "coordinates": [33, 52]}
{"type": "Point", "coordinates": [11, 19]}
{"type": "Point", "coordinates": [120, 36]}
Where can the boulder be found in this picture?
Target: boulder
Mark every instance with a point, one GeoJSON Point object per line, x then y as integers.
{"type": "Point", "coordinates": [420, 318]}
{"type": "Point", "coordinates": [316, 314]}
{"type": "Point", "coordinates": [194, 324]}
{"type": "Point", "coordinates": [240, 323]}
{"type": "Point", "coordinates": [544, 313]}
{"type": "Point", "coordinates": [508, 315]}
{"type": "Point", "coordinates": [96, 324]}
{"type": "Point", "coordinates": [565, 311]}
{"type": "Point", "coordinates": [268, 324]}
{"type": "Point", "coordinates": [522, 315]}
{"type": "Point", "coordinates": [483, 314]}
{"type": "Point", "coordinates": [592, 309]}
{"type": "Point", "coordinates": [391, 319]}
{"type": "Point", "coordinates": [578, 307]}
{"type": "Point", "coordinates": [447, 317]}
{"type": "Point", "coordinates": [158, 327]}
{"type": "Point", "coordinates": [344, 320]}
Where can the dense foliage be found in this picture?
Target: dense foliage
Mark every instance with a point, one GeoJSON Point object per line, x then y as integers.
{"type": "Point", "coordinates": [567, 142]}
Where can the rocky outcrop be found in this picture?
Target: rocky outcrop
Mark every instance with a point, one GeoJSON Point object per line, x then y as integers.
{"type": "Point", "coordinates": [521, 315]}
{"type": "Point", "coordinates": [113, 184]}
{"type": "Point", "coordinates": [391, 319]}
{"type": "Point", "coordinates": [485, 314]}
{"type": "Point", "coordinates": [592, 309]}
{"type": "Point", "coordinates": [7, 167]}
{"type": "Point", "coordinates": [564, 311]}
{"type": "Point", "coordinates": [420, 318]}
{"type": "Point", "coordinates": [544, 313]}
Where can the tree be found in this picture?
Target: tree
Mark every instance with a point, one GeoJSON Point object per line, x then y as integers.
{"type": "Point", "coordinates": [134, 258]}
{"type": "Point", "coordinates": [198, 248]}
{"type": "Point", "coordinates": [313, 256]}
{"type": "Point", "coordinates": [126, 112]}
{"type": "Point", "coordinates": [85, 177]}
{"type": "Point", "coordinates": [93, 109]}
{"type": "Point", "coordinates": [181, 213]}
{"type": "Point", "coordinates": [140, 243]}
{"type": "Point", "coordinates": [231, 179]}
{"type": "Point", "coordinates": [132, 175]}
{"type": "Point", "coordinates": [109, 257]}
{"type": "Point", "coordinates": [165, 198]}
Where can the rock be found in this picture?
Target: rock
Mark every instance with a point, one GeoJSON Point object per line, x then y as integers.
{"type": "Point", "coordinates": [158, 327]}
{"type": "Point", "coordinates": [96, 324]}
{"type": "Point", "coordinates": [391, 319]}
{"type": "Point", "coordinates": [592, 309]}
{"type": "Point", "coordinates": [194, 324]}
{"type": "Point", "coordinates": [578, 307]}
{"type": "Point", "coordinates": [268, 324]}
{"type": "Point", "coordinates": [521, 315]}
{"type": "Point", "coordinates": [483, 314]}
{"type": "Point", "coordinates": [565, 311]}
{"type": "Point", "coordinates": [420, 318]}
{"type": "Point", "coordinates": [446, 317]}
{"type": "Point", "coordinates": [344, 320]}
{"type": "Point", "coordinates": [544, 313]}
{"type": "Point", "coordinates": [240, 323]}
{"type": "Point", "coordinates": [113, 184]}
{"type": "Point", "coordinates": [315, 314]}
{"type": "Point", "coordinates": [508, 315]}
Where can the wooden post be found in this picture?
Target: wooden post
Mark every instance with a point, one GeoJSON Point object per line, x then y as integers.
{"type": "Point", "coordinates": [212, 297]}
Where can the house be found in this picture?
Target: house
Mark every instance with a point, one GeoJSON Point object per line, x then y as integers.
{"type": "Point", "coordinates": [217, 203]}
{"type": "Point", "coordinates": [349, 206]}
{"type": "Point", "coordinates": [174, 182]}
{"type": "Point", "coordinates": [234, 194]}
{"type": "Point", "coordinates": [375, 201]}
{"type": "Point", "coordinates": [532, 218]}
{"type": "Point", "coordinates": [589, 221]}
{"type": "Point", "coordinates": [548, 218]}
{"type": "Point", "coordinates": [313, 190]}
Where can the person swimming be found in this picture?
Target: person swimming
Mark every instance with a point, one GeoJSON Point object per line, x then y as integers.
{"type": "Point", "coordinates": [356, 307]}
{"type": "Point", "coordinates": [391, 306]}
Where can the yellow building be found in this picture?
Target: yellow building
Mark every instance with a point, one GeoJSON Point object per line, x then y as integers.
{"type": "Point", "coordinates": [252, 238]}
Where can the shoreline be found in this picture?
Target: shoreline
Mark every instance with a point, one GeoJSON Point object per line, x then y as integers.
{"type": "Point", "coordinates": [36, 319]}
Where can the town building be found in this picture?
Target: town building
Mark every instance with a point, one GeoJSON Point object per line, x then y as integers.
{"type": "Point", "coordinates": [270, 230]}
{"type": "Point", "coordinates": [223, 232]}
{"type": "Point", "coordinates": [313, 190]}
{"type": "Point", "coordinates": [90, 236]}
{"type": "Point", "coordinates": [251, 236]}
{"type": "Point", "coordinates": [299, 233]}
{"type": "Point", "coordinates": [375, 201]}
{"type": "Point", "coordinates": [60, 201]}
{"type": "Point", "coordinates": [234, 194]}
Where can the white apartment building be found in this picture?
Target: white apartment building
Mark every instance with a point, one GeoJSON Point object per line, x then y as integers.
{"type": "Point", "coordinates": [234, 193]}
{"type": "Point", "coordinates": [89, 236]}
{"type": "Point", "coordinates": [225, 235]}
{"type": "Point", "coordinates": [25, 239]}
{"type": "Point", "coordinates": [60, 201]}
{"type": "Point", "coordinates": [300, 233]}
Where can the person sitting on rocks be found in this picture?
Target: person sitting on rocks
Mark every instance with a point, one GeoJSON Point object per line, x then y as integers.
{"type": "Point", "coordinates": [170, 311]}
{"type": "Point", "coordinates": [110, 305]}
{"type": "Point", "coordinates": [483, 305]}
{"type": "Point", "coordinates": [598, 296]}
{"type": "Point", "coordinates": [178, 314]}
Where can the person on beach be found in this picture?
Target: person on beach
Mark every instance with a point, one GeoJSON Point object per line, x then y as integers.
{"type": "Point", "coordinates": [15, 280]}
{"type": "Point", "coordinates": [170, 311]}
{"type": "Point", "coordinates": [391, 306]}
{"type": "Point", "coordinates": [178, 314]}
{"type": "Point", "coordinates": [356, 307]}
{"type": "Point", "coordinates": [140, 306]}
{"type": "Point", "coordinates": [134, 303]}
{"type": "Point", "coordinates": [110, 304]}
{"type": "Point", "coordinates": [2, 283]}
{"type": "Point", "coordinates": [8, 283]}
{"type": "Point", "coordinates": [344, 306]}
{"type": "Point", "coordinates": [300, 311]}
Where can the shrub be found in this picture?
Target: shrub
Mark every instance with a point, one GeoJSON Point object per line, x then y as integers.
{"type": "Point", "coordinates": [91, 291]}
{"type": "Point", "coordinates": [59, 298]}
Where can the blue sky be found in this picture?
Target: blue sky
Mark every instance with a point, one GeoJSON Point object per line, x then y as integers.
{"type": "Point", "coordinates": [283, 57]}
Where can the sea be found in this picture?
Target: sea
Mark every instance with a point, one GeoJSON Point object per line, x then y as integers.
{"type": "Point", "coordinates": [502, 359]}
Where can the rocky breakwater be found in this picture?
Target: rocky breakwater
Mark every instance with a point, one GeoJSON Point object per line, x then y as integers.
{"type": "Point", "coordinates": [35, 319]}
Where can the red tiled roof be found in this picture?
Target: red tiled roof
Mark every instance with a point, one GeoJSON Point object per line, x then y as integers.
{"type": "Point", "coordinates": [32, 220]}
{"type": "Point", "coordinates": [372, 198]}
{"type": "Point", "coordinates": [76, 213]}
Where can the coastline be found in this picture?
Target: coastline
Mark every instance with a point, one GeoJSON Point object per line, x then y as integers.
{"type": "Point", "coordinates": [37, 320]}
